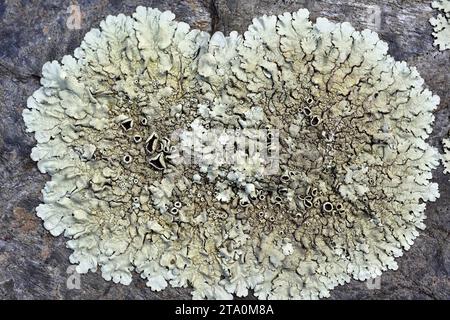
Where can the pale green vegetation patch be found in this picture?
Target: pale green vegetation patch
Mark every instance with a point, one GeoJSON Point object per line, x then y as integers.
{"type": "Point", "coordinates": [354, 165]}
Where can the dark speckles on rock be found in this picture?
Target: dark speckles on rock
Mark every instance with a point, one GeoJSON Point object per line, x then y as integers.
{"type": "Point", "coordinates": [115, 3]}
{"type": "Point", "coordinates": [2, 8]}
{"type": "Point", "coordinates": [7, 291]}
{"type": "Point", "coordinates": [9, 45]}
{"type": "Point", "coordinates": [394, 47]}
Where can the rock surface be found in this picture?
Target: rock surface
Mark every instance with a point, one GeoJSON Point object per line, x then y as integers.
{"type": "Point", "coordinates": [35, 265]}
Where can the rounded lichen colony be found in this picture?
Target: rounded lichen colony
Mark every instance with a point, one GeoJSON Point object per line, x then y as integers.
{"type": "Point", "coordinates": [345, 124]}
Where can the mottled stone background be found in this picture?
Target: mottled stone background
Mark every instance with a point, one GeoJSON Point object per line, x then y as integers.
{"type": "Point", "coordinates": [33, 264]}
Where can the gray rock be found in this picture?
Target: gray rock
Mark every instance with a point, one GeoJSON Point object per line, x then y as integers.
{"type": "Point", "coordinates": [35, 265]}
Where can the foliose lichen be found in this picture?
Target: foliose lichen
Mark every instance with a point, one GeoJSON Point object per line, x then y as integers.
{"type": "Point", "coordinates": [353, 174]}
{"type": "Point", "coordinates": [441, 24]}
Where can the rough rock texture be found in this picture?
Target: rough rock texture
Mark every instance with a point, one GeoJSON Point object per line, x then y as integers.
{"type": "Point", "coordinates": [33, 264]}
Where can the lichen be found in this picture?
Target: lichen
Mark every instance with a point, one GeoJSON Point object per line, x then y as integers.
{"type": "Point", "coordinates": [446, 155]}
{"type": "Point", "coordinates": [342, 196]}
{"type": "Point", "coordinates": [441, 24]}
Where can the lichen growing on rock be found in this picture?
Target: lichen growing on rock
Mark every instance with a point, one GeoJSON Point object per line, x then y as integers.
{"type": "Point", "coordinates": [347, 194]}
{"type": "Point", "coordinates": [446, 155]}
{"type": "Point", "coordinates": [441, 24]}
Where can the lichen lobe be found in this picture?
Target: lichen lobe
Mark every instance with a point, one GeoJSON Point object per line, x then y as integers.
{"type": "Point", "coordinates": [441, 24]}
